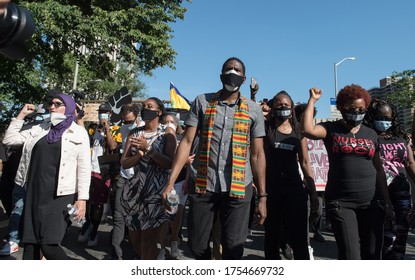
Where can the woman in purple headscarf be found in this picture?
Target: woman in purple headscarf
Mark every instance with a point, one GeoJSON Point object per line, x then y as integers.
{"type": "Point", "coordinates": [55, 170]}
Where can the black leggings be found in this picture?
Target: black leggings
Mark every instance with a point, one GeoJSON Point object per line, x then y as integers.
{"type": "Point", "coordinates": [49, 251]}
{"type": "Point", "coordinates": [358, 229]}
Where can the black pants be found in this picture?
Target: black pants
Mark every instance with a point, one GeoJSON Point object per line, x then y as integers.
{"type": "Point", "coordinates": [358, 229]}
{"type": "Point", "coordinates": [289, 213]}
{"type": "Point", "coordinates": [118, 229]}
{"type": "Point", "coordinates": [233, 214]}
{"type": "Point", "coordinates": [49, 251]}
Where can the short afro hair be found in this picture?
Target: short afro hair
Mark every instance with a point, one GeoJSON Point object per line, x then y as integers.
{"type": "Point", "coordinates": [236, 59]}
{"type": "Point", "coordinates": [352, 92]}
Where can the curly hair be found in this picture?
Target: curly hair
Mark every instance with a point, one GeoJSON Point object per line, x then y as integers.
{"type": "Point", "coordinates": [352, 92]}
{"type": "Point", "coordinates": [373, 110]}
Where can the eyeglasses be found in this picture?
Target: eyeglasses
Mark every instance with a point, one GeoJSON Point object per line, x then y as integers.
{"type": "Point", "coordinates": [56, 104]}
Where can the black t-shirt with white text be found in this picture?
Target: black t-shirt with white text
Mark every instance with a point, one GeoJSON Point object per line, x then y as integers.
{"type": "Point", "coordinates": [281, 152]}
{"type": "Point", "coordinates": [352, 175]}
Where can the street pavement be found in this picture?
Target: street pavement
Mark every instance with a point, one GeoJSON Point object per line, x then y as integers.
{"type": "Point", "coordinates": [253, 246]}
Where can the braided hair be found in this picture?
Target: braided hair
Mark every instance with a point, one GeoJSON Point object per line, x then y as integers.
{"type": "Point", "coordinates": [160, 105]}
{"type": "Point", "coordinates": [292, 119]}
{"type": "Point", "coordinates": [373, 110]}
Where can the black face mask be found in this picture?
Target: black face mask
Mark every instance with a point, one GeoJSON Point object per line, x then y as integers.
{"type": "Point", "coordinates": [281, 113]}
{"type": "Point", "coordinates": [148, 115]}
{"type": "Point", "coordinates": [232, 79]}
{"type": "Point", "coordinates": [353, 118]}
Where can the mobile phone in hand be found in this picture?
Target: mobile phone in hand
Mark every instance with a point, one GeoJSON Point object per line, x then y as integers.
{"type": "Point", "coordinates": [253, 82]}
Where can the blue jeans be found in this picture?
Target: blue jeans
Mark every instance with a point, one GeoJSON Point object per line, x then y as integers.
{"type": "Point", "coordinates": [18, 199]}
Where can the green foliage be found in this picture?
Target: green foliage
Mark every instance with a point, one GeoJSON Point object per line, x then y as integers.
{"type": "Point", "coordinates": [123, 39]}
{"type": "Point", "coordinates": [403, 88]}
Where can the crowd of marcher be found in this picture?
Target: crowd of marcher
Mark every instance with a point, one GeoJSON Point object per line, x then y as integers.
{"type": "Point", "coordinates": [236, 163]}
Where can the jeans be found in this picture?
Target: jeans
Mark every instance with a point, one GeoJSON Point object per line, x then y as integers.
{"type": "Point", "coordinates": [118, 219]}
{"type": "Point", "coordinates": [18, 198]}
{"type": "Point", "coordinates": [395, 238]}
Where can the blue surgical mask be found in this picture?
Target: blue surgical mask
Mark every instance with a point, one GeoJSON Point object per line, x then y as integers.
{"type": "Point", "coordinates": [103, 116]}
{"type": "Point", "coordinates": [132, 126]}
{"type": "Point", "coordinates": [383, 126]}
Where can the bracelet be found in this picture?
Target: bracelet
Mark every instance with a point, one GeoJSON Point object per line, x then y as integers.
{"type": "Point", "coordinates": [262, 195]}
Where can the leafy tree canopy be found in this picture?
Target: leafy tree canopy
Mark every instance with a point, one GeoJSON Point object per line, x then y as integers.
{"type": "Point", "coordinates": [403, 88]}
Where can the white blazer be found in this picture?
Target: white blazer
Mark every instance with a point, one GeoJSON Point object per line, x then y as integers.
{"type": "Point", "coordinates": [75, 163]}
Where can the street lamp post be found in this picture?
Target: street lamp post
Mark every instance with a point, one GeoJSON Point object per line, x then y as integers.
{"type": "Point", "coordinates": [335, 72]}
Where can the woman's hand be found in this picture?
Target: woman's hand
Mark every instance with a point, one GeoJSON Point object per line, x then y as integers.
{"type": "Point", "coordinates": [142, 144]}
{"type": "Point", "coordinates": [81, 206]}
{"type": "Point", "coordinates": [26, 110]}
{"type": "Point", "coordinates": [315, 93]}
{"type": "Point", "coordinates": [314, 204]}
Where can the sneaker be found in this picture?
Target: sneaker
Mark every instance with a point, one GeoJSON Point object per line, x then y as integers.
{"type": "Point", "coordinates": [174, 246]}
{"type": "Point", "coordinates": [287, 253]}
{"type": "Point", "coordinates": [93, 240]}
{"type": "Point", "coordinates": [311, 252]}
{"type": "Point", "coordinates": [9, 248]}
{"type": "Point", "coordinates": [162, 255]}
{"type": "Point", "coordinates": [84, 234]}
{"type": "Point", "coordinates": [319, 237]}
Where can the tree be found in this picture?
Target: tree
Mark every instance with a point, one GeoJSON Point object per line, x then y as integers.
{"type": "Point", "coordinates": [123, 39]}
{"type": "Point", "coordinates": [403, 88]}
{"type": "Point", "coordinates": [404, 92]}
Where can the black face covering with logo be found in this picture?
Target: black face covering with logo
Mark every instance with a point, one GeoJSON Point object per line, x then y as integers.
{"type": "Point", "coordinates": [148, 115]}
{"type": "Point", "coordinates": [232, 79]}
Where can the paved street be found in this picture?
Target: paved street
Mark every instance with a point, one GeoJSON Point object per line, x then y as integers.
{"type": "Point", "coordinates": [253, 251]}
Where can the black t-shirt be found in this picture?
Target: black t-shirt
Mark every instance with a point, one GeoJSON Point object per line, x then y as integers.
{"type": "Point", "coordinates": [281, 152]}
{"type": "Point", "coordinates": [352, 175]}
{"type": "Point", "coordinates": [394, 153]}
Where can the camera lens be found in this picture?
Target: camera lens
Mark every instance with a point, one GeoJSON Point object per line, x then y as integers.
{"type": "Point", "coordinates": [16, 26]}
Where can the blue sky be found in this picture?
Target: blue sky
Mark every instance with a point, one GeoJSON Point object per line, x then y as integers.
{"type": "Point", "coordinates": [290, 45]}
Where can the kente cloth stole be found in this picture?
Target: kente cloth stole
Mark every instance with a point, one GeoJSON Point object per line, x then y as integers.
{"type": "Point", "coordinates": [240, 131]}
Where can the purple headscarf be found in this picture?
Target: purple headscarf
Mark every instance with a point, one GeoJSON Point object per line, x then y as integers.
{"type": "Point", "coordinates": [55, 133]}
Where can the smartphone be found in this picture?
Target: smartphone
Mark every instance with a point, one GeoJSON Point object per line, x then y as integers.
{"type": "Point", "coordinates": [253, 82]}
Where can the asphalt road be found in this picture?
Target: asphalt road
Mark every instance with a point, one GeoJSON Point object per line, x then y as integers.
{"type": "Point", "coordinates": [253, 246]}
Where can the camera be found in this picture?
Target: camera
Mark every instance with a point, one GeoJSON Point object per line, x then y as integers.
{"type": "Point", "coordinates": [78, 96]}
{"type": "Point", "coordinates": [16, 26]}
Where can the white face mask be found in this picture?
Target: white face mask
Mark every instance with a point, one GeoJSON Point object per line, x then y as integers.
{"type": "Point", "coordinates": [103, 116]}
{"type": "Point", "coordinates": [56, 118]}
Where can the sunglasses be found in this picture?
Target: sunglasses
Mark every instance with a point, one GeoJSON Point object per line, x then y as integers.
{"type": "Point", "coordinates": [379, 118]}
{"type": "Point", "coordinates": [56, 104]}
